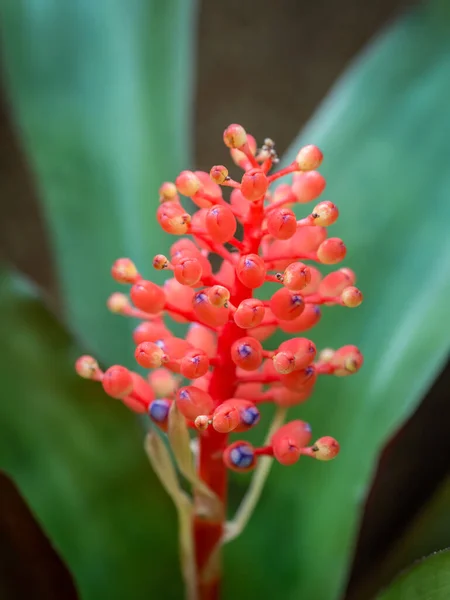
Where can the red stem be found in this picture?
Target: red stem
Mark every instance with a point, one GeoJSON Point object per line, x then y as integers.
{"type": "Point", "coordinates": [212, 470]}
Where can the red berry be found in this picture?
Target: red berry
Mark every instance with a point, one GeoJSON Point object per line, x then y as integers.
{"type": "Point", "coordinates": [124, 271]}
{"type": "Point", "coordinates": [326, 448]}
{"type": "Point", "coordinates": [188, 183]}
{"type": "Point", "coordinates": [240, 457]}
{"type": "Point", "coordinates": [309, 158]}
{"type": "Point", "coordinates": [213, 316]}
{"type": "Point", "coordinates": [300, 380]}
{"type": "Point", "coordinates": [286, 305]}
{"type": "Point", "coordinates": [220, 223]}
{"type": "Point", "coordinates": [347, 360]}
{"type": "Point", "coordinates": [188, 271]}
{"type": "Point", "coordinates": [308, 186]}
{"type": "Point", "coordinates": [193, 402]}
{"type": "Point", "coordinates": [218, 295]}
{"type": "Point", "coordinates": [331, 251]}
{"type": "Point", "coordinates": [173, 218]}
{"type": "Point", "coordinates": [249, 313]}
{"type": "Point", "coordinates": [246, 353]}
{"type": "Point", "coordinates": [309, 317]}
{"type": "Point", "coordinates": [150, 331]}
{"type": "Point", "coordinates": [334, 283]}
{"type": "Point", "coordinates": [296, 276]}
{"type": "Point", "coordinates": [234, 136]}
{"type": "Point", "coordinates": [325, 213]}
{"type": "Point", "coordinates": [251, 270]}
{"type": "Point", "coordinates": [195, 364]}
{"type": "Point", "coordinates": [148, 296]}
{"type": "Point", "coordinates": [218, 174]}
{"type": "Point", "coordinates": [254, 184]}
{"type": "Point", "coordinates": [294, 354]}
{"type": "Point", "coordinates": [117, 382]}
{"type": "Point", "coordinates": [282, 223]}
{"type": "Point", "coordinates": [87, 367]}
{"type": "Point", "coordinates": [351, 297]}
{"type": "Point", "coordinates": [288, 441]}
{"type": "Point", "coordinates": [149, 355]}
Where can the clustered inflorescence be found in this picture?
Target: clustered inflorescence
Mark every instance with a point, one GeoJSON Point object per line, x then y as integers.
{"type": "Point", "coordinates": [220, 373]}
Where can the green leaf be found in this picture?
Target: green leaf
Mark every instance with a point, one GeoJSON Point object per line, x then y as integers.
{"type": "Point", "coordinates": [385, 136]}
{"type": "Point", "coordinates": [102, 94]}
{"type": "Point", "coordinates": [428, 532]}
{"type": "Point", "coordinates": [78, 458]}
{"type": "Point", "coordinates": [428, 579]}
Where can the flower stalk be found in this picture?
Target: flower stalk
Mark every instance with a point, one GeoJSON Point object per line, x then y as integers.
{"type": "Point", "coordinates": [212, 383]}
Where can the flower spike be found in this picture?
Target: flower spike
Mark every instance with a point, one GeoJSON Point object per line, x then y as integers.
{"type": "Point", "coordinates": [238, 271]}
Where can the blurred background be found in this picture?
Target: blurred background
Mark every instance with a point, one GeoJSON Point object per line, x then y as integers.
{"type": "Point", "coordinates": [101, 102]}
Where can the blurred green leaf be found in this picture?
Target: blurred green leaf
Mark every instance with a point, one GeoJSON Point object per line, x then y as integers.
{"type": "Point", "coordinates": [102, 93]}
{"type": "Point", "coordinates": [428, 579]}
{"type": "Point", "coordinates": [385, 134]}
{"type": "Point", "coordinates": [428, 532]}
{"type": "Point", "coordinates": [78, 458]}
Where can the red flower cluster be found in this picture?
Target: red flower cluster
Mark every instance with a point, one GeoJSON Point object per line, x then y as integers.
{"type": "Point", "coordinates": [230, 372]}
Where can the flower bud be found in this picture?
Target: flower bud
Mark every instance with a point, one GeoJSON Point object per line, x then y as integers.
{"type": "Point", "coordinates": [149, 355]}
{"type": "Point", "coordinates": [124, 271]}
{"type": "Point", "coordinates": [254, 185]}
{"type": "Point", "coordinates": [331, 251]}
{"type": "Point", "coordinates": [220, 223]}
{"type": "Point", "coordinates": [235, 136]}
{"type": "Point", "coordinates": [282, 223]}
{"type": "Point", "coordinates": [251, 270]}
{"type": "Point", "coordinates": [288, 441]}
{"type": "Point", "coordinates": [167, 192]}
{"type": "Point", "coordinates": [286, 305]}
{"type": "Point", "coordinates": [148, 296]}
{"type": "Point", "coordinates": [117, 302]}
{"type": "Point", "coordinates": [247, 353]}
{"type": "Point", "coordinates": [309, 158]}
{"type": "Point", "coordinates": [296, 276]}
{"type": "Point", "coordinates": [195, 364]}
{"type": "Point", "coordinates": [218, 174]}
{"type": "Point", "coordinates": [117, 382]}
{"type": "Point", "coordinates": [87, 367]}
{"type": "Point", "coordinates": [193, 402]}
{"type": "Point", "coordinates": [188, 183]}
{"type": "Point", "coordinates": [308, 186]}
{"type": "Point", "coordinates": [249, 313]}
{"type": "Point", "coordinates": [326, 448]}
{"type": "Point", "coordinates": [351, 297]}
{"type": "Point", "coordinates": [325, 214]}
{"type": "Point", "coordinates": [240, 457]}
{"type": "Point", "coordinates": [158, 411]}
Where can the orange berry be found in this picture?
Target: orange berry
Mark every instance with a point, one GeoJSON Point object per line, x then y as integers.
{"type": "Point", "coordinates": [173, 218]}
{"type": "Point", "coordinates": [213, 316]}
{"type": "Point", "coordinates": [347, 360]}
{"type": "Point", "coordinates": [167, 192]}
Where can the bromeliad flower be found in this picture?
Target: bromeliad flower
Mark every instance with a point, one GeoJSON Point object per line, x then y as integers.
{"type": "Point", "coordinates": [214, 380]}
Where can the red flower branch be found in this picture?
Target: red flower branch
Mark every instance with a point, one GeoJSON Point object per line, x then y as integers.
{"type": "Point", "coordinates": [214, 380]}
